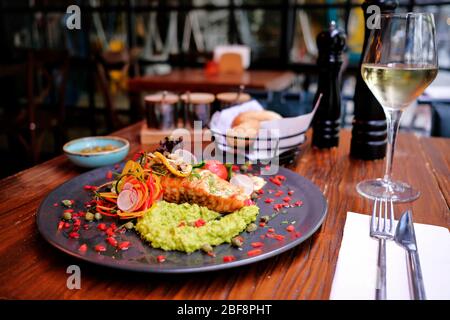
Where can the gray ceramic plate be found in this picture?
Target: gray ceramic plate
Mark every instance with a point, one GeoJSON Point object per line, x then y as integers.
{"type": "Point", "coordinates": [305, 220]}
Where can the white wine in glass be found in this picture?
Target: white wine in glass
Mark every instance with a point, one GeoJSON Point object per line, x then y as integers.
{"type": "Point", "coordinates": [399, 63]}
{"type": "Point", "coordinates": [397, 85]}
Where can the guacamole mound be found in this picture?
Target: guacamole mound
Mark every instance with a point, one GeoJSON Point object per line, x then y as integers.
{"type": "Point", "coordinates": [171, 226]}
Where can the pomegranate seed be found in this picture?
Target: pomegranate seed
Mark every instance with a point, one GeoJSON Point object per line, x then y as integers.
{"type": "Point", "coordinates": [100, 248]}
{"type": "Point", "coordinates": [74, 235]}
{"type": "Point", "coordinates": [83, 248]}
{"type": "Point", "coordinates": [55, 204]}
{"type": "Point", "coordinates": [113, 226]}
{"type": "Point", "coordinates": [109, 232]}
{"type": "Point", "coordinates": [257, 244]}
{"type": "Point", "coordinates": [86, 227]}
{"type": "Point", "coordinates": [109, 175]}
{"type": "Point", "coordinates": [297, 234]}
{"type": "Point", "coordinates": [161, 259]}
{"type": "Point", "coordinates": [290, 192]}
{"type": "Point", "coordinates": [275, 181]}
{"type": "Point", "coordinates": [260, 191]}
{"type": "Point", "coordinates": [68, 210]}
{"type": "Point", "coordinates": [101, 227]}
{"type": "Point", "coordinates": [124, 245]}
{"type": "Point", "coordinates": [298, 203]}
{"type": "Point", "coordinates": [279, 193]}
{"type": "Point", "coordinates": [254, 252]}
{"type": "Point", "coordinates": [262, 224]}
{"type": "Point", "coordinates": [271, 230]}
{"type": "Point", "coordinates": [200, 223]}
{"type": "Point", "coordinates": [269, 200]}
{"type": "Point", "coordinates": [280, 177]}
{"type": "Point", "coordinates": [60, 225]}
{"type": "Point", "coordinates": [290, 228]}
{"type": "Point", "coordinates": [66, 225]}
{"type": "Point", "coordinates": [287, 199]}
{"type": "Point", "coordinates": [228, 258]}
{"type": "Point", "coordinates": [76, 222]}
{"type": "Point", "coordinates": [279, 237]}
{"type": "Point", "coordinates": [117, 166]}
{"type": "Point", "coordinates": [112, 241]}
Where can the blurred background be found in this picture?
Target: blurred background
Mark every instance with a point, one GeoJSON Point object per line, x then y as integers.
{"type": "Point", "coordinates": [58, 84]}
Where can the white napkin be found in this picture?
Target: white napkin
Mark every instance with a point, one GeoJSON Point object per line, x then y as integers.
{"type": "Point", "coordinates": [355, 274]}
{"type": "Point", "coordinates": [221, 122]}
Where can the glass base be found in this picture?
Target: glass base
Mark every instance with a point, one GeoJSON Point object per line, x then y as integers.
{"type": "Point", "coordinates": [381, 189]}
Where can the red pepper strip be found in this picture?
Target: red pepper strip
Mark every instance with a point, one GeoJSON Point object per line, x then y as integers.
{"type": "Point", "coordinates": [112, 200]}
{"type": "Point", "coordinates": [105, 213]}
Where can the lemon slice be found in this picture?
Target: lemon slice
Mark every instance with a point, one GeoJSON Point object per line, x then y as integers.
{"type": "Point", "coordinates": [186, 156]}
{"type": "Point", "coordinates": [170, 167]}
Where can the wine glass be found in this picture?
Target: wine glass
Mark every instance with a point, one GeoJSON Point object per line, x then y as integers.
{"type": "Point", "coordinates": [399, 63]}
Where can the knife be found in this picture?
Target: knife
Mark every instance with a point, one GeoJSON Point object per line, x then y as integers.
{"type": "Point", "coordinates": [406, 238]}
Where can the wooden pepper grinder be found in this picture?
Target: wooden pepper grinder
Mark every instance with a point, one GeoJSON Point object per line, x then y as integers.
{"type": "Point", "coordinates": [326, 123]}
{"type": "Point", "coordinates": [369, 135]}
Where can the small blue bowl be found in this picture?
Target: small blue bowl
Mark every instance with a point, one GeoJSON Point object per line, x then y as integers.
{"type": "Point", "coordinates": [73, 148]}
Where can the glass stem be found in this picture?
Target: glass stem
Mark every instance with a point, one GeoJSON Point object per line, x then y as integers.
{"type": "Point", "coordinates": [393, 123]}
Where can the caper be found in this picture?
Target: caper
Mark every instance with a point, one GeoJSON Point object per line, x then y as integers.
{"type": "Point", "coordinates": [265, 219]}
{"type": "Point", "coordinates": [129, 225]}
{"type": "Point", "coordinates": [207, 248]}
{"type": "Point", "coordinates": [98, 216]}
{"type": "Point", "coordinates": [251, 227]}
{"type": "Point", "coordinates": [237, 242]}
{"type": "Point", "coordinates": [67, 216]}
{"type": "Point", "coordinates": [89, 216]}
{"type": "Point", "coordinates": [67, 203]}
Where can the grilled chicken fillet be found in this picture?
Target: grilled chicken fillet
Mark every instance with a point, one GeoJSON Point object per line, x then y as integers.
{"type": "Point", "coordinates": [205, 189]}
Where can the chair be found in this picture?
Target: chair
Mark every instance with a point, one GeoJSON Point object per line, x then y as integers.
{"type": "Point", "coordinates": [112, 72]}
{"type": "Point", "coordinates": [231, 63]}
{"type": "Point", "coordinates": [44, 104]}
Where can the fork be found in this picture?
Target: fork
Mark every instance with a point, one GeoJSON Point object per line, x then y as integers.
{"type": "Point", "coordinates": [382, 229]}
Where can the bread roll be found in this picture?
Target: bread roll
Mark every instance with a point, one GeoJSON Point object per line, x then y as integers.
{"type": "Point", "coordinates": [236, 135]}
{"type": "Point", "coordinates": [262, 115]}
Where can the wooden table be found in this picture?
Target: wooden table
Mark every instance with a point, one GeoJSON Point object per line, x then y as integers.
{"type": "Point", "coordinates": [30, 268]}
{"type": "Point", "coordinates": [182, 80]}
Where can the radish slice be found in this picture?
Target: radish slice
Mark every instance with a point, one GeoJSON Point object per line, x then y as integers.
{"type": "Point", "coordinates": [244, 182]}
{"type": "Point", "coordinates": [127, 199]}
{"type": "Point", "coordinates": [127, 186]}
{"type": "Point", "coordinates": [186, 156]}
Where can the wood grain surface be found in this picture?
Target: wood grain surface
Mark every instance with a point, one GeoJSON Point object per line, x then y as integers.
{"type": "Point", "coordinates": [32, 269]}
